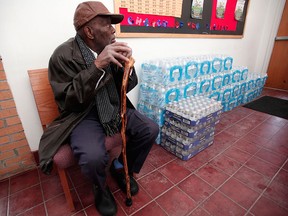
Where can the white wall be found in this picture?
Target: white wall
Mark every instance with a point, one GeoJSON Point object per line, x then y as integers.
{"type": "Point", "coordinates": [31, 30]}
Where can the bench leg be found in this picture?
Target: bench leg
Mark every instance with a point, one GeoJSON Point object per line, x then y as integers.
{"type": "Point", "coordinates": [65, 186]}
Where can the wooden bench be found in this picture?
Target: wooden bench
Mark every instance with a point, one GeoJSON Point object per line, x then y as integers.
{"type": "Point", "coordinates": [47, 110]}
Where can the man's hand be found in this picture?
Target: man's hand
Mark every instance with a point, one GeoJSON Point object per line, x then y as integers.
{"type": "Point", "coordinates": [118, 53]}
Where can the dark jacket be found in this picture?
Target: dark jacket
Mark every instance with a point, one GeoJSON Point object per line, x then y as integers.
{"type": "Point", "coordinates": [74, 86]}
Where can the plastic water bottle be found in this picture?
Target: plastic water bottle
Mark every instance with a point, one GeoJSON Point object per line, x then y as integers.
{"type": "Point", "coordinates": [190, 89]}
{"type": "Point", "coordinates": [236, 76]}
{"type": "Point", "coordinates": [144, 92]}
{"type": "Point", "coordinates": [205, 85]}
{"type": "Point", "coordinates": [150, 71]}
{"type": "Point", "coordinates": [226, 94]}
{"type": "Point", "coordinates": [242, 87]}
{"type": "Point", "coordinates": [191, 70]}
{"type": "Point", "coordinates": [140, 106]}
{"type": "Point", "coordinates": [215, 95]}
{"type": "Point", "coordinates": [226, 79]}
{"type": "Point", "coordinates": [205, 67]}
{"type": "Point", "coordinates": [235, 90]}
{"type": "Point", "coordinates": [146, 72]}
{"type": "Point", "coordinates": [159, 97]}
{"type": "Point", "coordinates": [258, 80]}
{"type": "Point", "coordinates": [227, 64]}
{"type": "Point", "coordinates": [173, 71]}
{"type": "Point", "coordinates": [175, 74]}
{"type": "Point", "coordinates": [250, 84]}
{"type": "Point", "coordinates": [217, 65]}
{"type": "Point", "coordinates": [232, 104]}
{"type": "Point", "coordinates": [244, 74]}
{"type": "Point", "coordinates": [217, 82]}
{"type": "Point", "coordinates": [264, 78]}
{"type": "Point", "coordinates": [172, 94]}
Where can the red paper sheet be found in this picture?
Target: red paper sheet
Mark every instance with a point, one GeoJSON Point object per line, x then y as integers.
{"type": "Point", "coordinates": [228, 23]}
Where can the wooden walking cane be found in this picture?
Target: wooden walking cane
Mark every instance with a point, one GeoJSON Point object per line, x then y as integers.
{"type": "Point", "coordinates": [127, 70]}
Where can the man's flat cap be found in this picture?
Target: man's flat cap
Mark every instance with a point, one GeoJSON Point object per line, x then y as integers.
{"type": "Point", "coordinates": [86, 11]}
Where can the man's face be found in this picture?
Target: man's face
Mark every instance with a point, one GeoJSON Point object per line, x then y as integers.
{"type": "Point", "coordinates": [103, 32]}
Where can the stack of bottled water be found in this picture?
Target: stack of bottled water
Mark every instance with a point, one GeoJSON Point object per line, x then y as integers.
{"type": "Point", "coordinates": [254, 86]}
{"type": "Point", "coordinates": [194, 108]}
{"type": "Point", "coordinates": [168, 80]}
{"type": "Point", "coordinates": [238, 87]}
{"type": "Point", "coordinates": [189, 125]}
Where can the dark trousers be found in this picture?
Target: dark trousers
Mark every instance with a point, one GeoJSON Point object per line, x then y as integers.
{"type": "Point", "coordinates": [88, 144]}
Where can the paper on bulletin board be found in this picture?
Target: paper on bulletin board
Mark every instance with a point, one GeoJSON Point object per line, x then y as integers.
{"type": "Point", "coordinates": [220, 8]}
{"type": "Point", "coordinates": [239, 10]}
{"type": "Point", "coordinates": [160, 7]}
{"type": "Point", "coordinates": [228, 22]}
{"type": "Point", "coordinates": [197, 9]}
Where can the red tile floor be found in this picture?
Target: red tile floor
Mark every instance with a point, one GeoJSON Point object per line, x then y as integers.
{"type": "Point", "coordinates": [244, 172]}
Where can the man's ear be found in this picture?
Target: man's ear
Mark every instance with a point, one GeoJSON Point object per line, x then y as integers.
{"type": "Point", "coordinates": [88, 32]}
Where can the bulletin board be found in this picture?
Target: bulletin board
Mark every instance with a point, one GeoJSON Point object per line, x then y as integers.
{"type": "Point", "coordinates": [182, 18]}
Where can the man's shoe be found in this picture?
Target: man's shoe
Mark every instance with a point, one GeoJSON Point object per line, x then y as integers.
{"type": "Point", "coordinates": [104, 201]}
{"type": "Point", "coordinates": [119, 176]}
